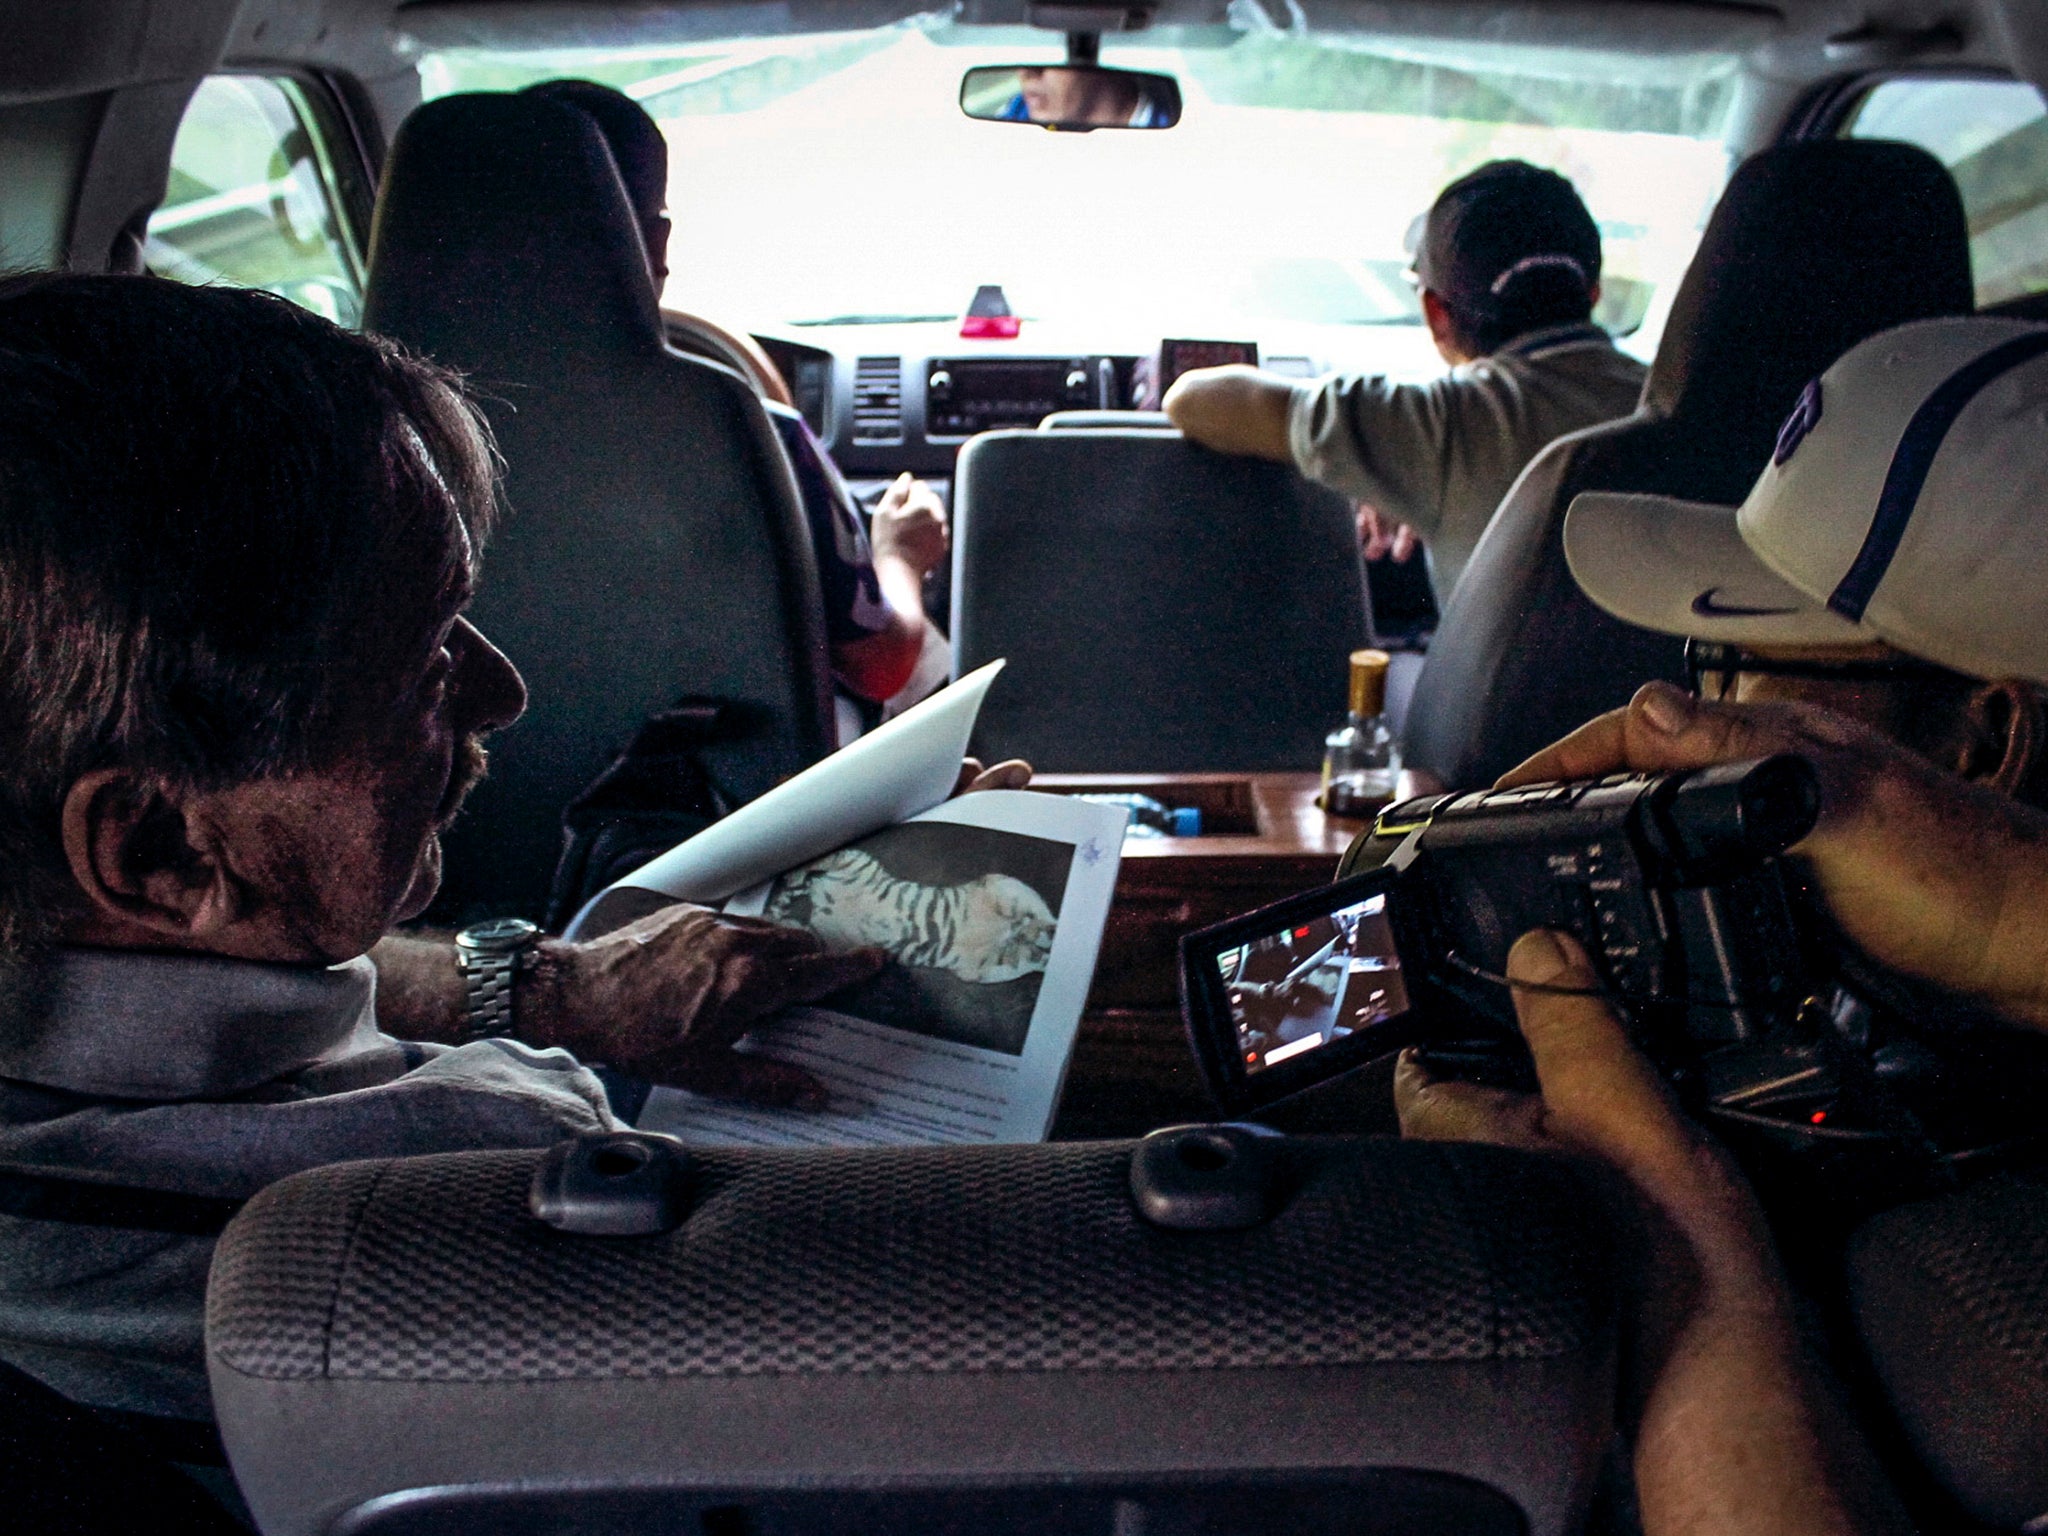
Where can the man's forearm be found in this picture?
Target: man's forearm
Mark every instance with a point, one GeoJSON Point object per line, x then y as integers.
{"type": "Point", "coordinates": [1739, 1439]}
{"type": "Point", "coordinates": [1234, 410]}
{"type": "Point", "coordinates": [877, 666]}
{"type": "Point", "coordinates": [420, 994]}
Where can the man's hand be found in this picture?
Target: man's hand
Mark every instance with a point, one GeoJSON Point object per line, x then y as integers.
{"type": "Point", "coordinates": [910, 525]}
{"type": "Point", "coordinates": [1732, 1434]}
{"type": "Point", "coordinates": [666, 996]}
{"type": "Point", "coordinates": [1010, 773]}
{"type": "Point", "coordinates": [1601, 1099]}
{"type": "Point", "coordinates": [1929, 875]}
{"type": "Point", "coordinates": [1381, 538]}
{"type": "Point", "coordinates": [1234, 409]}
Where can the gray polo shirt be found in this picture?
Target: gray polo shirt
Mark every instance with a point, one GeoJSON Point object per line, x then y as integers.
{"type": "Point", "coordinates": [1440, 456]}
{"type": "Point", "coordinates": [214, 1077]}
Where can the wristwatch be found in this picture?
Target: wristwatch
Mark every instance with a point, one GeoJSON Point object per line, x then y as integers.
{"type": "Point", "coordinates": [489, 955]}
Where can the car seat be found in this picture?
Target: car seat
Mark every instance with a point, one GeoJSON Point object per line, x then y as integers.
{"type": "Point", "coordinates": [1162, 608]}
{"type": "Point", "coordinates": [1303, 1335]}
{"type": "Point", "coordinates": [1950, 1296]}
{"type": "Point", "coordinates": [654, 546]}
{"type": "Point", "coordinates": [1812, 248]}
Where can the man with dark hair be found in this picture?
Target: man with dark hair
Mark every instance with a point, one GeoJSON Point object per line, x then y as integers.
{"type": "Point", "coordinates": [874, 590]}
{"type": "Point", "coordinates": [1508, 263]}
{"type": "Point", "coordinates": [238, 703]}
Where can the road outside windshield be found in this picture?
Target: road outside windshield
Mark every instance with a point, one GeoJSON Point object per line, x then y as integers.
{"type": "Point", "coordinates": [835, 179]}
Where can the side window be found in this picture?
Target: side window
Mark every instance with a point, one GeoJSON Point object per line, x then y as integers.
{"type": "Point", "coordinates": [253, 200]}
{"type": "Point", "coordinates": [1993, 137]}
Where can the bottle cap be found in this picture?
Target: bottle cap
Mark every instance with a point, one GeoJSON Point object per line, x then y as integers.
{"type": "Point", "coordinates": [1369, 682]}
{"type": "Point", "coordinates": [1187, 821]}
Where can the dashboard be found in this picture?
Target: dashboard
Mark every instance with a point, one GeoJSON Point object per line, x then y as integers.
{"type": "Point", "coordinates": [889, 397]}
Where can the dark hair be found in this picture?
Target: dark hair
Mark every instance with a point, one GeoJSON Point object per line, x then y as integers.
{"type": "Point", "coordinates": [1509, 248]}
{"type": "Point", "coordinates": [637, 147]}
{"type": "Point", "coordinates": [205, 496]}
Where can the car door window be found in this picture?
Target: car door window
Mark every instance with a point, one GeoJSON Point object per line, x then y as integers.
{"type": "Point", "coordinates": [252, 200]}
{"type": "Point", "coordinates": [1993, 137]}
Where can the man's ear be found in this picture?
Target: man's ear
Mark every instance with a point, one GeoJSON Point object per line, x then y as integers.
{"type": "Point", "coordinates": [1442, 330]}
{"type": "Point", "coordinates": [2007, 735]}
{"type": "Point", "coordinates": [143, 860]}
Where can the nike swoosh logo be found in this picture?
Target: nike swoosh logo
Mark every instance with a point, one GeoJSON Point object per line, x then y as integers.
{"type": "Point", "coordinates": [1708, 606]}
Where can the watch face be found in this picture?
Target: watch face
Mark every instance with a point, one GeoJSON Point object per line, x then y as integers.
{"type": "Point", "coordinates": [500, 933]}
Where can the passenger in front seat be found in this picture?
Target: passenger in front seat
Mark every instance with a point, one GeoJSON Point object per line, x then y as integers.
{"type": "Point", "coordinates": [874, 591]}
{"type": "Point", "coordinates": [1508, 262]}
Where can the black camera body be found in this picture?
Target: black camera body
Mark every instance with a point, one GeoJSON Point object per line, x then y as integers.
{"type": "Point", "coordinates": [1671, 881]}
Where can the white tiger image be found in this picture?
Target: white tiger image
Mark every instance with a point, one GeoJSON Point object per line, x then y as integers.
{"type": "Point", "coordinates": [993, 928]}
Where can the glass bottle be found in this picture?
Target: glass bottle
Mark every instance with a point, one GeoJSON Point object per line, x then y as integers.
{"type": "Point", "coordinates": [1360, 758]}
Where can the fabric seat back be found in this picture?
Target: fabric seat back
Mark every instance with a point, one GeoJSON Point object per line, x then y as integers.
{"type": "Point", "coordinates": [654, 546]}
{"type": "Point", "coordinates": [1812, 248]}
{"type": "Point", "coordinates": [1163, 608]}
{"type": "Point", "coordinates": [1950, 1296]}
{"type": "Point", "coordinates": [992, 1338]}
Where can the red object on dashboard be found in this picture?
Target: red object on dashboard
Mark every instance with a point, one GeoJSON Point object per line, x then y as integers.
{"type": "Point", "coordinates": [987, 326]}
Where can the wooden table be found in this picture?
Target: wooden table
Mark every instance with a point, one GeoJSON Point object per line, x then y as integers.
{"type": "Point", "coordinates": [1264, 839]}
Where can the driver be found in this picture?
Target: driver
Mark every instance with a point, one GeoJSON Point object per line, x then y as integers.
{"type": "Point", "coordinates": [1070, 97]}
{"type": "Point", "coordinates": [884, 649]}
{"type": "Point", "coordinates": [1508, 263]}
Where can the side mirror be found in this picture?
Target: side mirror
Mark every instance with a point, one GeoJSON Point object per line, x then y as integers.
{"type": "Point", "coordinates": [1070, 98]}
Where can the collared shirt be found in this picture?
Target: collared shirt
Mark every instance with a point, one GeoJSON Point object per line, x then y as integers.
{"type": "Point", "coordinates": [214, 1077]}
{"type": "Point", "coordinates": [1441, 456]}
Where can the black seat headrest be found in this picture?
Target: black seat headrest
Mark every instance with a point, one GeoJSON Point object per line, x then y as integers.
{"type": "Point", "coordinates": [1812, 248]}
{"type": "Point", "coordinates": [472, 244]}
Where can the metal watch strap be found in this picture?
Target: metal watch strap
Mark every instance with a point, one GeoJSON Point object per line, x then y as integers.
{"type": "Point", "coordinates": [487, 986]}
{"type": "Point", "coordinates": [489, 955]}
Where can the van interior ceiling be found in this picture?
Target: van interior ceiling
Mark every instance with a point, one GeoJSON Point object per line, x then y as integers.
{"type": "Point", "coordinates": [91, 93]}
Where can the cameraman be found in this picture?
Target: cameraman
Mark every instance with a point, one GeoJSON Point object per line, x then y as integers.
{"type": "Point", "coordinates": [1886, 563]}
{"type": "Point", "coordinates": [1929, 875]}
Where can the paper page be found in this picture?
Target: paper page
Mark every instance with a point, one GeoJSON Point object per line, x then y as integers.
{"type": "Point", "coordinates": [993, 905]}
{"type": "Point", "coordinates": [900, 768]}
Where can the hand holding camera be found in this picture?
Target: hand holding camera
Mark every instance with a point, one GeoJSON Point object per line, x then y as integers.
{"type": "Point", "coordinates": [1925, 873]}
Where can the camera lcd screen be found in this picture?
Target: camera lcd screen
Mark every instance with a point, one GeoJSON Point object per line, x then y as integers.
{"type": "Point", "coordinates": [1304, 990]}
{"type": "Point", "coordinates": [1312, 983]}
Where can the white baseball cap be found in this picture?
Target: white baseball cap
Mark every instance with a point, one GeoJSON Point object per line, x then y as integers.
{"type": "Point", "coordinates": [1907, 501]}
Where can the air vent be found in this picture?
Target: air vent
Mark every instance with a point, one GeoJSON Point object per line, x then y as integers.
{"type": "Point", "coordinates": [878, 400]}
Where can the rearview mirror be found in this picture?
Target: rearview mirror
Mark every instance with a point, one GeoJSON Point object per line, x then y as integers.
{"type": "Point", "coordinates": [1072, 98]}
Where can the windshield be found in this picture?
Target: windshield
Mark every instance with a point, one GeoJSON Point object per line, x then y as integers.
{"type": "Point", "coordinates": [834, 179]}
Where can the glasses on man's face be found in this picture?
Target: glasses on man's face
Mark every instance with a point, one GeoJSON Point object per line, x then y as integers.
{"type": "Point", "coordinates": [1719, 661]}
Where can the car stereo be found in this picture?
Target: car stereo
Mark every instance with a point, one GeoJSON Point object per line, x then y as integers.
{"type": "Point", "coordinates": [966, 395]}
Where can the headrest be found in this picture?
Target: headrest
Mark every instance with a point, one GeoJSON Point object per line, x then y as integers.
{"type": "Point", "coordinates": [1812, 248]}
{"type": "Point", "coordinates": [503, 232]}
{"type": "Point", "coordinates": [916, 1321]}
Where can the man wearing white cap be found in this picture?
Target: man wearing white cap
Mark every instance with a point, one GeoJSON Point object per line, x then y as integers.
{"type": "Point", "coordinates": [1889, 563]}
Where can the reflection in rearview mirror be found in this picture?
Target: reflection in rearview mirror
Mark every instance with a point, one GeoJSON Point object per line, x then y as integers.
{"type": "Point", "coordinates": [1071, 97]}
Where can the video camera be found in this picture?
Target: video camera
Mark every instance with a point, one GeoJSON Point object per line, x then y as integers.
{"type": "Point", "coordinates": [1700, 934]}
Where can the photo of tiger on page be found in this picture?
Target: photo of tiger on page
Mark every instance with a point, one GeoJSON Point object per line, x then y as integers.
{"type": "Point", "coordinates": [967, 913]}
